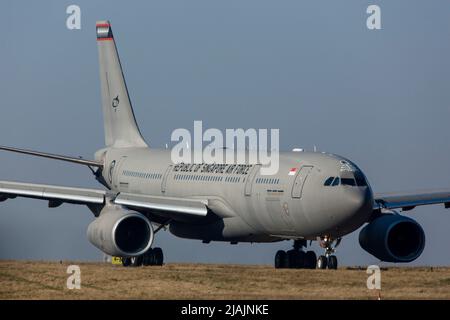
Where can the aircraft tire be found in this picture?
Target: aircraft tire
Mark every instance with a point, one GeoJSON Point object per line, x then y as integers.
{"type": "Point", "coordinates": [136, 261]}
{"type": "Point", "coordinates": [322, 262]}
{"type": "Point", "coordinates": [148, 257]}
{"type": "Point", "coordinates": [300, 259]}
{"type": "Point", "coordinates": [295, 259]}
{"type": "Point", "coordinates": [158, 257]}
{"type": "Point", "coordinates": [332, 262]}
{"type": "Point", "coordinates": [126, 261]}
{"type": "Point", "coordinates": [310, 260]}
{"type": "Point", "coordinates": [280, 259]}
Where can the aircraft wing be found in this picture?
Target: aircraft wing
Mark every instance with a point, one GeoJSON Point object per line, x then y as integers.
{"type": "Point", "coordinates": [56, 195]}
{"type": "Point", "coordinates": [408, 201]}
{"type": "Point", "coordinates": [168, 207]}
{"type": "Point", "coordinates": [79, 160]}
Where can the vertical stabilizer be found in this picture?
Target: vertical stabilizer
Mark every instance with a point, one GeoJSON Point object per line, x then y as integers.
{"type": "Point", "coordinates": [121, 129]}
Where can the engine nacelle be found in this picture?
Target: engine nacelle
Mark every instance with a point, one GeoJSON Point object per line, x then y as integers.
{"type": "Point", "coordinates": [393, 238]}
{"type": "Point", "coordinates": [121, 233]}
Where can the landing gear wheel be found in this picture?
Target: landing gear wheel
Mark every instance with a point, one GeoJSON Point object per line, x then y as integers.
{"type": "Point", "coordinates": [126, 261]}
{"type": "Point", "coordinates": [322, 262]}
{"type": "Point", "coordinates": [329, 260]}
{"type": "Point", "coordinates": [136, 261]}
{"type": "Point", "coordinates": [158, 257]}
{"type": "Point", "coordinates": [280, 259]}
{"type": "Point", "coordinates": [153, 257]}
{"type": "Point", "coordinates": [148, 258]}
{"type": "Point", "coordinates": [295, 259]}
{"type": "Point", "coordinates": [292, 259]}
{"type": "Point", "coordinates": [310, 260]}
{"type": "Point", "coordinates": [332, 262]}
{"type": "Point", "coordinates": [300, 259]}
{"type": "Point", "coordinates": [287, 260]}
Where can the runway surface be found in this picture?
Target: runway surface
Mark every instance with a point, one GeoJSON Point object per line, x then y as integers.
{"type": "Point", "coordinates": [48, 280]}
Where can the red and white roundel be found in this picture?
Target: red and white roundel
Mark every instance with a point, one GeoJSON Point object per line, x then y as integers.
{"type": "Point", "coordinates": [293, 171]}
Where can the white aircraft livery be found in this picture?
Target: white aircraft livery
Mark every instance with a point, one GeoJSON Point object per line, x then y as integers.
{"type": "Point", "coordinates": [314, 196]}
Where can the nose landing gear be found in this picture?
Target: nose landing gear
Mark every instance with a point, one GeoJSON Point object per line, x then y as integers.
{"type": "Point", "coordinates": [328, 260]}
{"type": "Point", "coordinates": [296, 258]}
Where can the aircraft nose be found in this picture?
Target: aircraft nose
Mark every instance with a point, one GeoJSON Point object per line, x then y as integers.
{"type": "Point", "coordinates": [355, 207]}
{"type": "Point", "coordinates": [356, 198]}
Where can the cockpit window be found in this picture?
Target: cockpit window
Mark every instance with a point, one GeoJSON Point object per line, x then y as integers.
{"type": "Point", "coordinates": [348, 182]}
{"type": "Point", "coordinates": [336, 182]}
{"type": "Point", "coordinates": [328, 181]}
{"type": "Point", "coordinates": [360, 180]}
{"type": "Point", "coordinates": [349, 179]}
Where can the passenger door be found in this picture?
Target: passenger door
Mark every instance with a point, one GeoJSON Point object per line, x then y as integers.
{"type": "Point", "coordinates": [299, 181]}
{"type": "Point", "coordinates": [164, 179]}
{"type": "Point", "coordinates": [115, 173]}
{"type": "Point", "coordinates": [250, 179]}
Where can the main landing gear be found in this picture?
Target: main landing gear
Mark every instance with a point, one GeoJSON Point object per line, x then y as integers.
{"type": "Point", "coordinates": [328, 260]}
{"type": "Point", "coordinates": [299, 259]}
{"type": "Point", "coordinates": [153, 257]}
{"type": "Point", "coordinates": [296, 258]}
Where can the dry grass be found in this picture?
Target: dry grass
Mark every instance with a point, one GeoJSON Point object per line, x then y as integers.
{"type": "Point", "coordinates": [47, 280]}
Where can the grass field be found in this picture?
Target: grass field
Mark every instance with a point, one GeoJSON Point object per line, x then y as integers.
{"type": "Point", "coordinates": [47, 280]}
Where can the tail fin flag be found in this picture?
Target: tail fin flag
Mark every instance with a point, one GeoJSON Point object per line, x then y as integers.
{"type": "Point", "coordinates": [121, 129]}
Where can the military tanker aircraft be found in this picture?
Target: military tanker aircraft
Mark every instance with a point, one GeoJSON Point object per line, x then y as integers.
{"type": "Point", "coordinates": [314, 196]}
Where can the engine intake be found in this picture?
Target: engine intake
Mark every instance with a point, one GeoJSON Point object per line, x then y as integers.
{"type": "Point", "coordinates": [393, 238]}
{"type": "Point", "coordinates": [121, 233]}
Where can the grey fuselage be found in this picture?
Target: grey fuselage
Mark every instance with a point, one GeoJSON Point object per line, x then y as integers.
{"type": "Point", "coordinates": [244, 205]}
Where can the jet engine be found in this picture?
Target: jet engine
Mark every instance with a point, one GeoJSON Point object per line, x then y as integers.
{"type": "Point", "coordinates": [118, 232]}
{"type": "Point", "coordinates": [393, 238]}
